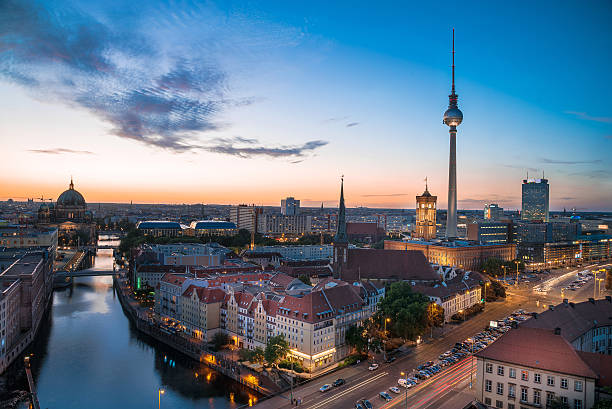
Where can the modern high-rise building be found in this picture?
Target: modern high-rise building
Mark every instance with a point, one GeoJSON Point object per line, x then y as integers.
{"type": "Point", "coordinates": [493, 212]}
{"type": "Point", "coordinates": [246, 217]}
{"type": "Point", "coordinates": [290, 207]}
{"type": "Point", "coordinates": [425, 216]}
{"type": "Point", "coordinates": [452, 118]}
{"type": "Point", "coordinates": [535, 193]}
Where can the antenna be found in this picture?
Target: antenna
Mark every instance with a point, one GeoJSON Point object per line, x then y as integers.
{"type": "Point", "coordinates": [453, 88]}
{"type": "Point", "coordinates": [426, 183]}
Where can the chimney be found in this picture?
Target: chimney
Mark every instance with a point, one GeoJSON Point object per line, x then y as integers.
{"type": "Point", "coordinates": [565, 301]}
{"type": "Point", "coordinates": [592, 300]}
{"type": "Point", "coordinates": [608, 298]}
{"type": "Point", "coordinates": [557, 331]}
{"type": "Point", "coordinates": [551, 307]}
{"type": "Point", "coordinates": [534, 315]}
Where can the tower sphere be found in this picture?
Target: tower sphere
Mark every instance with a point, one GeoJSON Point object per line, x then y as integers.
{"type": "Point", "coordinates": [453, 117]}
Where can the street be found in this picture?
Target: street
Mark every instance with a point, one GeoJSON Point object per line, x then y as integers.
{"type": "Point", "coordinates": [448, 389]}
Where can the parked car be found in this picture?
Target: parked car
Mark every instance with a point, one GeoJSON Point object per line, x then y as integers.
{"type": "Point", "coordinates": [358, 405]}
{"type": "Point", "coordinates": [385, 396]}
{"type": "Point", "coordinates": [394, 389]}
{"type": "Point", "coordinates": [339, 382]}
{"type": "Point", "coordinates": [366, 404]}
{"type": "Point", "coordinates": [390, 359]}
{"type": "Point", "coordinates": [373, 367]}
{"type": "Point", "coordinates": [325, 387]}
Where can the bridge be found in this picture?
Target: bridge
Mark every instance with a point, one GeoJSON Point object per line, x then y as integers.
{"type": "Point", "coordinates": [89, 272]}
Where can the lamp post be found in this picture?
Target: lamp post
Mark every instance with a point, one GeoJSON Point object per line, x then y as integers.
{"type": "Point", "coordinates": [405, 375]}
{"type": "Point", "coordinates": [517, 272]}
{"type": "Point", "coordinates": [504, 268]}
{"type": "Point", "coordinates": [160, 392]}
{"type": "Point", "coordinates": [384, 339]}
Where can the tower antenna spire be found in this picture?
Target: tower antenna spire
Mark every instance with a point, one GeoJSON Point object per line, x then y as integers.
{"type": "Point", "coordinates": [453, 66]}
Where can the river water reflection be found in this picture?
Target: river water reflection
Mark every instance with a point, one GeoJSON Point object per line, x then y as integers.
{"type": "Point", "coordinates": [88, 355]}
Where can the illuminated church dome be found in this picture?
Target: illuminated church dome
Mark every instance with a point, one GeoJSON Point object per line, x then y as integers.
{"type": "Point", "coordinates": [71, 197]}
{"type": "Point", "coordinates": [71, 206]}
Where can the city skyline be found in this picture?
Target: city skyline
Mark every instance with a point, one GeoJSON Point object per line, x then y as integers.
{"type": "Point", "coordinates": [257, 105]}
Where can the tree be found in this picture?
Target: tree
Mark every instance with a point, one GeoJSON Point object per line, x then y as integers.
{"type": "Point", "coordinates": [603, 404]}
{"type": "Point", "coordinates": [609, 279]}
{"type": "Point", "coordinates": [219, 340]}
{"type": "Point", "coordinates": [276, 349]}
{"type": "Point", "coordinates": [435, 315]}
{"type": "Point", "coordinates": [557, 403]}
{"type": "Point", "coordinates": [356, 337]}
{"type": "Point", "coordinates": [305, 279]}
{"type": "Point", "coordinates": [406, 309]}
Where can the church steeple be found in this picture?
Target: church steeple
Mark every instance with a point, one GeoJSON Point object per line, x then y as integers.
{"type": "Point", "coordinates": [71, 186]}
{"type": "Point", "coordinates": [341, 236]}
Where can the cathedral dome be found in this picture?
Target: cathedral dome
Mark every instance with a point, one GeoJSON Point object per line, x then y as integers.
{"type": "Point", "coordinates": [71, 197]}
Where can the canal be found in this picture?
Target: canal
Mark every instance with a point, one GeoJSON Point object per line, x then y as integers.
{"type": "Point", "coordinates": [88, 355]}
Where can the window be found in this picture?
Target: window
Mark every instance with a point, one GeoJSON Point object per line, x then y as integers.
{"type": "Point", "coordinates": [550, 381]}
{"type": "Point", "coordinates": [511, 390]}
{"type": "Point", "coordinates": [488, 386]}
{"type": "Point", "coordinates": [499, 404]}
{"type": "Point", "coordinates": [500, 370]}
{"type": "Point", "coordinates": [577, 404]}
{"type": "Point", "coordinates": [512, 373]}
{"type": "Point", "coordinates": [578, 386]}
{"type": "Point", "coordinates": [524, 394]}
{"type": "Point", "coordinates": [536, 378]}
{"type": "Point", "coordinates": [550, 396]}
{"type": "Point", "coordinates": [489, 367]}
{"type": "Point", "coordinates": [487, 401]}
{"type": "Point", "coordinates": [511, 406]}
{"type": "Point", "coordinates": [525, 375]}
{"type": "Point", "coordinates": [500, 388]}
{"type": "Point", "coordinates": [564, 383]}
{"type": "Point", "coordinates": [537, 394]}
{"type": "Point", "coordinates": [564, 399]}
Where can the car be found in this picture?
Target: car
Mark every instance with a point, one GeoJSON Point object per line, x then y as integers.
{"type": "Point", "coordinates": [405, 383]}
{"type": "Point", "coordinates": [373, 367]}
{"type": "Point", "coordinates": [358, 405]}
{"type": "Point", "coordinates": [385, 396]}
{"type": "Point", "coordinates": [339, 382]}
{"type": "Point", "coordinates": [429, 363]}
{"type": "Point", "coordinates": [391, 359]}
{"type": "Point", "coordinates": [394, 389]}
{"type": "Point", "coordinates": [325, 388]}
{"type": "Point", "coordinates": [366, 404]}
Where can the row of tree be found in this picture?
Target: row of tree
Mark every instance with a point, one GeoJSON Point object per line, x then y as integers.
{"type": "Point", "coordinates": [495, 267]}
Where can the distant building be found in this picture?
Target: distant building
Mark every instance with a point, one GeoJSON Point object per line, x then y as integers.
{"type": "Point", "coordinates": [160, 228]}
{"type": "Point", "coordinates": [365, 232]}
{"type": "Point", "coordinates": [493, 212]}
{"type": "Point", "coordinates": [15, 236]}
{"type": "Point", "coordinates": [305, 252]}
{"type": "Point", "coordinates": [246, 217]}
{"type": "Point", "coordinates": [535, 199]}
{"type": "Point", "coordinates": [211, 228]}
{"type": "Point", "coordinates": [490, 232]}
{"type": "Point", "coordinates": [425, 227]}
{"type": "Point", "coordinates": [275, 224]}
{"type": "Point", "coordinates": [290, 207]}
{"type": "Point", "coordinates": [463, 254]}
{"type": "Point", "coordinates": [531, 367]}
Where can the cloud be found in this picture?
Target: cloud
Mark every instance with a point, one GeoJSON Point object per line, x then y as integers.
{"type": "Point", "coordinates": [567, 198]}
{"type": "Point", "coordinates": [388, 195]}
{"type": "Point", "coordinates": [335, 119]}
{"type": "Point", "coordinates": [569, 162]}
{"type": "Point", "coordinates": [349, 125]}
{"type": "Point", "coordinates": [58, 151]}
{"type": "Point", "coordinates": [606, 175]}
{"type": "Point", "coordinates": [587, 117]}
{"type": "Point", "coordinates": [138, 85]}
{"type": "Point", "coordinates": [231, 146]}
{"type": "Point", "coordinates": [522, 168]}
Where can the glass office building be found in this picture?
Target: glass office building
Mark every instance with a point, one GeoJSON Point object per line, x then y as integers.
{"type": "Point", "coordinates": [535, 199]}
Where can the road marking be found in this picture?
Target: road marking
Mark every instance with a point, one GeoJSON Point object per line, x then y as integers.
{"type": "Point", "coordinates": [349, 390]}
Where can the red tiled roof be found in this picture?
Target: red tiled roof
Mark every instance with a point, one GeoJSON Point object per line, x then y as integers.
{"type": "Point", "coordinates": [281, 280]}
{"type": "Point", "coordinates": [388, 264]}
{"type": "Point", "coordinates": [363, 228]}
{"type": "Point", "coordinates": [601, 364]}
{"type": "Point", "coordinates": [270, 306]}
{"type": "Point", "coordinates": [539, 349]}
{"type": "Point", "coordinates": [173, 279]}
{"type": "Point", "coordinates": [312, 307]}
{"type": "Point", "coordinates": [206, 295]}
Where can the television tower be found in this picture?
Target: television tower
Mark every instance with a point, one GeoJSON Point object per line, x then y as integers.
{"type": "Point", "coordinates": [452, 118]}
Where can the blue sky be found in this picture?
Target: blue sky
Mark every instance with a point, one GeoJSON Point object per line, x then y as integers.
{"type": "Point", "coordinates": [228, 102]}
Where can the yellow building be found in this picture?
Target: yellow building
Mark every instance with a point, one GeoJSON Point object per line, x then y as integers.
{"type": "Point", "coordinates": [425, 216]}
{"type": "Point", "coordinates": [200, 311]}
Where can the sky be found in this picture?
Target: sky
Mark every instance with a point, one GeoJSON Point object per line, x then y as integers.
{"type": "Point", "coordinates": [249, 102]}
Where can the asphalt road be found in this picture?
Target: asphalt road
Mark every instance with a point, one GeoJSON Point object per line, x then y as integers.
{"type": "Point", "coordinates": [448, 389]}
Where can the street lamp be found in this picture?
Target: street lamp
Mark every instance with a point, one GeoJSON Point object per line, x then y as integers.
{"type": "Point", "coordinates": [160, 392]}
{"type": "Point", "coordinates": [384, 339]}
{"type": "Point", "coordinates": [517, 273]}
{"type": "Point", "coordinates": [405, 375]}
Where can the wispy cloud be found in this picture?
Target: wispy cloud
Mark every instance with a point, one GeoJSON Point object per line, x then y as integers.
{"type": "Point", "coordinates": [335, 119]}
{"type": "Point", "coordinates": [605, 175]}
{"type": "Point", "coordinates": [569, 162]}
{"type": "Point", "coordinates": [388, 195]}
{"type": "Point", "coordinates": [349, 125]}
{"type": "Point", "coordinates": [587, 117]}
{"type": "Point", "coordinates": [125, 77]}
{"type": "Point", "coordinates": [59, 151]}
{"type": "Point", "coordinates": [251, 148]}
{"type": "Point", "coordinates": [522, 168]}
{"type": "Point", "coordinates": [567, 198]}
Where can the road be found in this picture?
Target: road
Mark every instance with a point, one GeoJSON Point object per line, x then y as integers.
{"type": "Point", "coordinates": [447, 390]}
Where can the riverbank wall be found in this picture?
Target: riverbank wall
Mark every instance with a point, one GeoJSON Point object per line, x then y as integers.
{"type": "Point", "coordinates": [229, 368]}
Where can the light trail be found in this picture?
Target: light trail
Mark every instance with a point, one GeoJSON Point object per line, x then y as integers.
{"type": "Point", "coordinates": [347, 391]}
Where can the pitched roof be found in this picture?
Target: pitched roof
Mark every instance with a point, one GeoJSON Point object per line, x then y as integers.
{"type": "Point", "coordinates": [539, 349]}
{"type": "Point", "coordinates": [387, 264]}
{"type": "Point", "coordinates": [601, 364]}
{"type": "Point", "coordinates": [312, 307]}
{"type": "Point", "coordinates": [281, 280]}
{"type": "Point", "coordinates": [363, 228]}
{"type": "Point", "coordinates": [574, 319]}
{"type": "Point", "coordinates": [206, 295]}
{"type": "Point", "coordinates": [451, 288]}
{"type": "Point", "coordinates": [173, 279]}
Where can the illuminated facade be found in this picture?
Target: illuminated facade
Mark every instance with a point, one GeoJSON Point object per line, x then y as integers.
{"type": "Point", "coordinates": [535, 200]}
{"type": "Point", "coordinates": [493, 212]}
{"type": "Point", "coordinates": [425, 216]}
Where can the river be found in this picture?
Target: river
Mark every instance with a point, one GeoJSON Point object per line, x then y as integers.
{"type": "Point", "coordinates": [88, 355]}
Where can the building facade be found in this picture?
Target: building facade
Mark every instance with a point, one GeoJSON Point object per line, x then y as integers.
{"type": "Point", "coordinates": [490, 232]}
{"type": "Point", "coordinates": [290, 207]}
{"type": "Point", "coordinates": [246, 217]}
{"type": "Point", "coordinates": [535, 199]}
{"type": "Point", "coordinates": [493, 212]}
{"type": "Point", "coordinates": [425, 225]}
